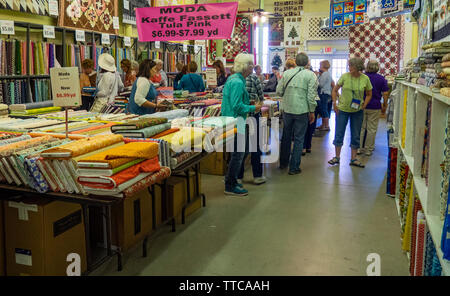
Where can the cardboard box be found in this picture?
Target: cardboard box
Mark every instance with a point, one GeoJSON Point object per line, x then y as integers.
{"type": "Point", "coordinates": [40, 234]}
{"type": "Point", "coordinates": [132, 220]}
{"type": "Point", "coordinates": [178, 196]}
{"type": "Point", "coordinates": [214, 164]}
{"type": "Point", "coordinates": [2, 243]}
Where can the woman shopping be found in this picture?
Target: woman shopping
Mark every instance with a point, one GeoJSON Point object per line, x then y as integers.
{"type": "Point", "coordinates": [221, 73]}
{"type": "Point", "coordinates": [143, 93]}
{"type": "Point", "coordinates": [356, 94]}
{"type": "Point", "coordinates": [324, 94]}
{"type": "Point", "coordinates": [109, 84]}
{"type": "Point", "coordinates": [192, 81]}
{"type": "Point", "coordinates": [129, 76]}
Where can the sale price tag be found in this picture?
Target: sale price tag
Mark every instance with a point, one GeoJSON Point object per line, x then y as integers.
{"type": "Point", "coordinates": [7, 27]}
{"type": "Point", "coordinates": [157, 44]}
{"type": "Point", "coordinates": [53, 7]}
{"type": "Point", "coordinates": [127, 41]}
{"type": "Point", "coordinates": [115, 22]}
{"type": "Point", "coordinates": [79, 36]}
{"type": "Point", "coordinates": [49, 32]}
{"type": "Point", "coordinates": [105, 39]}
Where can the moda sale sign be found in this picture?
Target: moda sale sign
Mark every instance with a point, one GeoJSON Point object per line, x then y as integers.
{"type": "Point", "coordinates": [186, 22]}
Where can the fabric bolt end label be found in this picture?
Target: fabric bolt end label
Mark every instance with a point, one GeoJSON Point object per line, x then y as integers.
{"type": "Point", "coordinates": [23, 257]}
{"type": "Point", "coordinates": [53, 7]}
{"type": "Point", "coordinates": [49, 32]}
{"type": "Point", "coordinates": [127, 41]}
{"type": "Point", "coordinates": [126, 4]}
{"type": "Point", "coordinates": [115, 22]}
{"type": "Point", "coordinates": [157, 44]}
{"type": "Point", "coordinates": [7, 27]}
{"type": "Point", "coordinates": [79, 36]}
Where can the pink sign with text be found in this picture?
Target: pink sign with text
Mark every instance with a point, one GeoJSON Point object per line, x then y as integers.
{"type": "Point", "coordinates": [186, 22]}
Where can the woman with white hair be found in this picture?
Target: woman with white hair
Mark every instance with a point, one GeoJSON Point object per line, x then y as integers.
{"type": "Point", "coordinates": [356, 94]}
{"type": "Point", "coordinates": [161, 77]}
{"type": "Point", "coordinates": [236, 103]}
{"type": "Point", "coordinates": [373, 110]}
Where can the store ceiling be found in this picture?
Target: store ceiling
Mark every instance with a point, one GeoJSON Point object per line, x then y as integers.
{"type": "Point", "coordinates": [245, 5]}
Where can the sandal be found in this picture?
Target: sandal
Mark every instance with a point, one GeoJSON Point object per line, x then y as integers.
{"type": "Point", "coordinates": [357, 163]}
{"type": "Point", "coordinates": [334, 161]}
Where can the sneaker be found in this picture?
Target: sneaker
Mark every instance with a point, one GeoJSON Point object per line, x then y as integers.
{"type": "Point", "coordinates": [360, 151]}
{"type": "Point", "coordinates": [259, 180]}
{"type": "Point", "coordinates": [368, 153]}
{"type": "Point", "coordinates": [239, 181]}
{"type": "Point", "coordinates": [296, 172]}
{"type": "Point", "coordinates": [237, 191]}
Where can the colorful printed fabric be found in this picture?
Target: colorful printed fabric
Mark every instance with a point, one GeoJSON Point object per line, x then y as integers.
{"type": "Point", "coordinates": [420, 244]}
{"type": "Point", "coordinates": [11, 148]}
{"type": "Point", "coordinates": [93, 128]}
{"type": "Point", "coordinates": [445, 240]}
{"type": "Point", "coordinates": [148, 166]}
{"type": "Point", "coordinates": [37, 180]}
{"type": "Point", "coordinates": [30, 106]}
{"type": "Point", "coordinates": [89, 172]}
{"type": "Point", "coordinates": [147, 132]}
{"type": "Point", "coordinates": [165, 133]}
{"type": "Point", "coordinates": [139, 124]}
{"type": "Point", "coordinates": [14, 139]}
{"type": "Point", "coordinates": [86, 145]}
{"type": "Point", "coordinates": [37, 111]}
{"type": "Point", "coordinates": [154, 178]}
{"type": "Point", "coordinates": [170, 115]}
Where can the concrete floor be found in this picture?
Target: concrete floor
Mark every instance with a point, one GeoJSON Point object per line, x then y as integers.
{"type": "Point", "coordinates": [324, 221]}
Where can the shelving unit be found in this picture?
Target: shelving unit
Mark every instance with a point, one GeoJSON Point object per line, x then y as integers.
{"type": "Point", "coordinates": [409, 120]}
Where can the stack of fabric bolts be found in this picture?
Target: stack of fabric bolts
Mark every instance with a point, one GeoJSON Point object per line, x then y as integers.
{"type": "Point", "coordinates": [445, 81]}
{"type": "Point", "coordinates": [141, 127]}
{"type": "Point", "coordinates": [115, 171]}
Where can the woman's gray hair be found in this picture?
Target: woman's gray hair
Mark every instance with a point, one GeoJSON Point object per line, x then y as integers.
{"type": "Point", "coordinates": [242, 61]}
{"type": "Point", "coordinates": [358, 63]}
{"type": "Point", "coordinates": [302, 59]}
{"type": "Point", "coordinates": [372, 66]}
{"type": "Point", "coordinates": [158, 61]}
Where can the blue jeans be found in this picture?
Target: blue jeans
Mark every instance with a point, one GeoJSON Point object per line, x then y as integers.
{"type": "Point", "coordinates": [257, 167]}
{"type": "Point", "coordinates": [235, 165]}
{"type": "Point", "coordinates": [310, 131]}
{"type": "Point", "coordinates": [295, 125]}
{"type": "Point", "coordinates": [323, 105]}
{"type": "Point", "coordinates": [356, 119]}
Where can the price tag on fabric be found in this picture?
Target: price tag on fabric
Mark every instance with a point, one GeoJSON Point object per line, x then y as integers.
{"type": "Point", "coordinates": [115, 22]}
{"type": "Point", "coordinates": [185, 49]}
{"type": "Point", "coordinates": [127, 41]}
{"type": "Point", "coordinates": [53, 7]}
{"type": "Point", "coordinates": [79, 36]}
{"type": "Point", "coordinates": [105, 39]}
{"type": "Point", "coordinates": [157, 44]}
{"type": "Point", "coordinates": [65, 87]}
{"type": "Point", "coordinates": [126, 4]}
{"type": "Point", "coordinates": [7, 27]}
{"type": "Point", "coordinates": [49, 32]}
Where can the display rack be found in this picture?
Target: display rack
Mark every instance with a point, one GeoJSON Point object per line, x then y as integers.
{"type": "Point", "coordinates": [410, 111]}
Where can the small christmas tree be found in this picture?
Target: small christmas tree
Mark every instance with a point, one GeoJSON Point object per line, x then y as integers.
{"type": "Point", "coordinates": [293, 33]}
{"type": "Point", "coordinates": [277, 61]}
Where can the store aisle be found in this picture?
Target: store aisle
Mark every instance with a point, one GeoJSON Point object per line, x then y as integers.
{"type": "Point", "coordinates": [324, 221]}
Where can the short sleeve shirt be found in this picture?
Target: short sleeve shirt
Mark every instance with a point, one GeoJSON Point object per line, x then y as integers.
{"type": "Point", "coordinates": [352, 88]}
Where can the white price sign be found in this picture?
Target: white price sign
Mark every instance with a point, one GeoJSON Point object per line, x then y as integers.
{"type": "Point", "coordinates": [115, 22]}
{"type": "Point", "coordinates": [127, 41]}
{"type": "Point", "coordinates": [157, 44]}
{"type": "Point", "coordinates": [105, 39]}
{"type": "Point", "coordinates": [185, 49]}
{"type": "Point", "coordinates": [211, 77]}
{"type": "Point", "coordinates": [126, 4]}
{"type": "Point", "coordinates": [53, 7]}
{"type": "Point", "coordinates": [49, 32]}
{"type": "Point", "coordinates": [7, 27]}
{"type": "Point", "coordinates": [196, 48]}
{"type": "Point", "coordinates": [65, 87]}
{"type": "Point", "coordinates": [79, 36]}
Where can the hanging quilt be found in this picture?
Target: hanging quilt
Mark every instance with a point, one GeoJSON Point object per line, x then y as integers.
{"type": "Point", "coordinates": [276, 31]}
{"type": "Point", "coordinates": [95, 15]}
{"type": "Point", "coordinates": [277, 57]}
{"type": "Point", "coordinates": [379, 39]}
{"type": "Point", "coordinates": [129, 12]}
{"type": "Point", "coordinates": [241, 41]}
{"type": "Point", "coordinates": [292, 31]}
{"type": "Point", "coordinates": [29, 6]}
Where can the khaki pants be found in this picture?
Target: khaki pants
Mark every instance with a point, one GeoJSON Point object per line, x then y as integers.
{"type": "Point", "coordinates": [369, 129]}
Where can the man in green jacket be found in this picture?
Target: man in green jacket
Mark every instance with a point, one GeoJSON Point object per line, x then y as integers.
{"type": "Point", "coordinates": [298, 88]}
{"type": "Point", "coordinates": [236, 103]}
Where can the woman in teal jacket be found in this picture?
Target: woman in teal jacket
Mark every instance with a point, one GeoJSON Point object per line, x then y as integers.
{"type": "Point", "coordinates": [192, 81]}
{"type": "Point", "coordinates": [236, 103]}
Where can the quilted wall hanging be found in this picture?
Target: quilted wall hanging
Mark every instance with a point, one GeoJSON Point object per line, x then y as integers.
{"type": "Point", "coordinates": [95, 15]}
{"type": "Point", "coordinates": [276, 31]}
{"type": "Point", "coordinates": [129, 13]}
{"type": "Point", "coordinates": [277, 57]}
{"type": "Point", "coordinates": [29, 6]}
{"type": "Point", "coordinates": [378, 39]}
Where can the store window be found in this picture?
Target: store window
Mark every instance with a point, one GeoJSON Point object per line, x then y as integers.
{"type": "Point", "coordinates": [315, 64]}
{"type": "Point", "coordinates": [265, 49]}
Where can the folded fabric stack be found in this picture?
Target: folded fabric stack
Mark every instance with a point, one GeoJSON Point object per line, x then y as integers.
{"type": "Point", "coordinates": [170, 115]}
{"type": "Point", "coordinates": [3, 110]}
{"type": "Point", "coordinates": [112, 171]}
{"type": "Point", "coordinates": [37, 111]}
{"type": "Point", "coordinates": [142, 127]}
{"type": "Point", "coordinates": [23, 125]}
{"type": "Point", "coordinates": [59, 164]}
{"type": "Point", "coordinates": [19, 161]}
{"type": "Point", "coordinates": [189, 139]}
{"type": "Point", "coordinates": [72, 115]}
{"type": "Point", "coordinates": [163, 149]}
{"type": "Point", "coordinates": [442, 85]}
{"type": "Point", "coordinates": [432, 74]}
{"type": "Point", "coordinates": [30, 106]}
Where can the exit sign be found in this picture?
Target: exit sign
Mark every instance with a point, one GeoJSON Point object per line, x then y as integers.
{"type": "Point", "coordinates": [328, 50]}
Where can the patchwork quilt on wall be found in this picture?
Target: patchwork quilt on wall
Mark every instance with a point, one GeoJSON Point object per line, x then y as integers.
{"type": "Point", "coordinates": [39, 7]}
{"type": "Point", "coordinates": [379, 39]}
{"type": "Point", "coordinates": [92, 15]}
